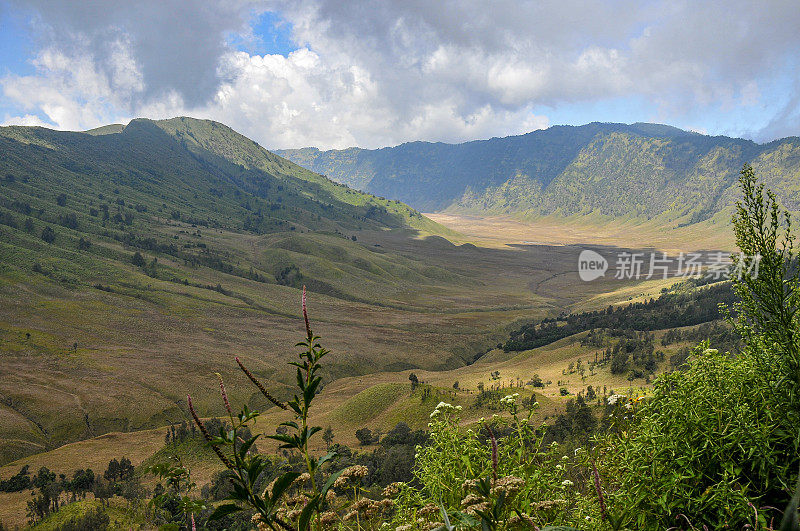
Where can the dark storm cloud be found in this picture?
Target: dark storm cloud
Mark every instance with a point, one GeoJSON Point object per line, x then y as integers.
{"type": "Point", "coordinates": [176, 44]}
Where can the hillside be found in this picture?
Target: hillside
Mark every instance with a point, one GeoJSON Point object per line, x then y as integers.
{"type": "Point", "coordinates": [137, 261]}
{"type": "Point", "coordinates": [617, 170]}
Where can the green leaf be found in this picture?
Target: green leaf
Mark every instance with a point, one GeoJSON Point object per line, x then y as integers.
{"type": "Point", "coordinates": [246, 446]}
{"type": "Point", "coordinates": [446, 518]}
{"type": "Point", "coordinates": [790, 521]}
{"type": "Point", "coordinates": [295, 406]}
{"type": "Point", "coordinates": [308, 511]}
{"type": "Point", "coordinates": [311, 389]}
{"type": "Point", "coordinates": [282, 437]}
{"type": "Point", "coordinates": [255, 469]}
{"type": "Point", "coordinates": [329, 483]}
{"type": "Point", "coordinates": [283, 483]}
{"type": "Point", "coordinates": [324, 458]}
{"type": "Point", "coordinates": [223, 511]}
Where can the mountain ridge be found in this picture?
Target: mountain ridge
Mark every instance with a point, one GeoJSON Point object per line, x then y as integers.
{"type": "Point", "coordinates": [597, 167]}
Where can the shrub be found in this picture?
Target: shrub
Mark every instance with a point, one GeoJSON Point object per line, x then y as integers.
{"type": "Point", "coordinates": [364, 436]}
{"type": "Point", "coordinates": [48, 235]}
{"type": "Point", "coordinates": [720, 438]}
{"type": "Point", "coordinates": [20, 481]}
{"type": "Point", "coordinates": [705, 442]}
{"type": "Point", "coordinates": [480, 479]}
{"type": "Point", "coordinates": [92, 520]}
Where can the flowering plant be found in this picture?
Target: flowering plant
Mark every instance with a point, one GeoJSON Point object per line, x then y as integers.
{"type": "Point", "coordinates": [270, 506]}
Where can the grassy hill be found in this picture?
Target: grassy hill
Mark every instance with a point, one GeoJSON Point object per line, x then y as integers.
{"type": "Point", "coordinates": [643, 170]}
{"type": "Point", "coordinates": [136, 262]}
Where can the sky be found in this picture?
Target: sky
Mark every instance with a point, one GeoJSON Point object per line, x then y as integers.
{"type": "Point", "coordinates": [340, 73]}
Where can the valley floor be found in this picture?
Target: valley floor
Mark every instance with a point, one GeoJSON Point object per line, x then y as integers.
{"type": "Point", "coordinates": [509, 271]}
{"type": "Point", "coordinates": [664, 235]}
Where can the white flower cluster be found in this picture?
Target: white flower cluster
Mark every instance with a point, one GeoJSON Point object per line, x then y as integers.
{"type": "Point", "coordinates": [444, 407]}
{"type": "Point", "coordinates": [509, 399]}
{"type": "Point", "coordinates": [613, 399]}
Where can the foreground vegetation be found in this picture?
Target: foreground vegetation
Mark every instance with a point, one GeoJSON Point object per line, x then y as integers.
{"type": "Point", "coordinates": [716, 443]}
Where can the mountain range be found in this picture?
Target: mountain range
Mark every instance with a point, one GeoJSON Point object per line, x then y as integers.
{"type": "Point", "coordinates": [617, 170]}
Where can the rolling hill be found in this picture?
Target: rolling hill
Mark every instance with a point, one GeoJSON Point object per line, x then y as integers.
{"type": "Point", "coordinates": [616, 170]}
{"type": "Point", "coordinates": [137, 261]}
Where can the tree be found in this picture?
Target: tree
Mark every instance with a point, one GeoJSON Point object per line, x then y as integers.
{"type": "Point", "coordinates": [137, 259]}
{"type": "Point", "coordinates": [102, 491]}
{"type": "Point", "coordinates": [112, 472]}
{"type": "Point", "coordinates": [583, 422]}
{"type": "Point", "coordinates": [619, 361]}
{"type": "Point", "coordinates": [48, 235]}
{"type": "Point", "coordinates": [61, 199]}
{"type": "Point", "coordinates": [118, 470]}
{"type": "Point", "coordinates": [364, 436]}
{"type": "Point", "coordinates": [402, 434]}
{"type": "Point", "coordinates": [132, 490]}
{"type": "Point", "coordinates": [43, 478]}
{"type": "Point", "coordinates": [327, 436]}
{"type": "Point", "coordinates": [414, 380]}
{"type": "Point", "coordinates": [125, 469]}
{"type": "Point", "coordinates": [82, 481]}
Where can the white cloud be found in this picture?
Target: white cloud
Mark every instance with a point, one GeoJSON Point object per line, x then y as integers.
{"type": "Point", "coordinates": [374, 74]}
{"type": "Point", "coordinates": [27, 119]}
{"type": "Point", "coordinates": [71, 91]}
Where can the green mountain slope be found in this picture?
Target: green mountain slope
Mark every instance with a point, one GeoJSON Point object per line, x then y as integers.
{"type": "Point", "coordinates": [612, 169]}
{"type": "Point", "coordinates": [135, 260]}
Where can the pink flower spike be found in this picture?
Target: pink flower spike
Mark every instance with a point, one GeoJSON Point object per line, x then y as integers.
{"type": "Point", "coordinates": [224, 394]}
{"type": "Point", "coordinates": [194, 527]}
{"type": "Point", "coordinates": [305, 315]}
